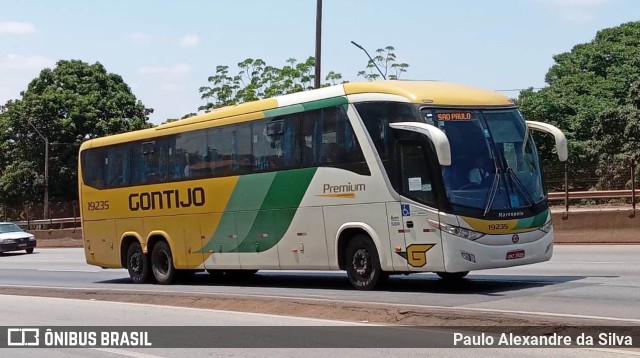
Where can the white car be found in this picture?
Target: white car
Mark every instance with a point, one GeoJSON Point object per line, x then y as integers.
{"type": "Point", "coordinates": [13, 238]}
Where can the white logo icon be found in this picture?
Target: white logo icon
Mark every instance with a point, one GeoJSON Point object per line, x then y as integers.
{"type": "Point", "coordinates": [23, 337]}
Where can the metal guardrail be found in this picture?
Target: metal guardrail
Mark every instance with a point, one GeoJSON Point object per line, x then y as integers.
{"type": "Point", "coordinates": [601, 194]}
{"type": "Point", "coordinates": [49, 222]}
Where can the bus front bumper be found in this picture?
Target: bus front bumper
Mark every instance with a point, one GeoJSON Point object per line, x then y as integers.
{"type": "Point", "coordinates": [465, 255]}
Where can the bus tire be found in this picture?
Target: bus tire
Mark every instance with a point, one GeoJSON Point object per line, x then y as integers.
{"type": "Point", "coordinates": [162, 263]}
{"type": "Point", "coordinates": [137, 263]}
{"type": "Point", "coordinates": [362, 263]}
{"type": "Point", "coordinates": [452, 276]}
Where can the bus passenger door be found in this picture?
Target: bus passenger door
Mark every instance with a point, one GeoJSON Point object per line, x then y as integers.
{"type": "Point", "coordinates": [396, 236]}
{"type": "Point", "coordinates": [423, 242]}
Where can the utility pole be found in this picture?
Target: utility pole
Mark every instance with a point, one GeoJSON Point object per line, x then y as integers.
{"type": "Point", "coordinates": [318, 41]}
{"type": "Point", "coordinates": [46, 170]}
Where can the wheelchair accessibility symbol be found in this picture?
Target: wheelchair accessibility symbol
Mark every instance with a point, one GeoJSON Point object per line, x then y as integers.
{"type": "Point", "coordinates": [405, 210]}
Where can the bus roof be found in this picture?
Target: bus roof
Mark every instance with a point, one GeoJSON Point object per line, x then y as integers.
{"type": "Point", "coordinates": [432, 93]}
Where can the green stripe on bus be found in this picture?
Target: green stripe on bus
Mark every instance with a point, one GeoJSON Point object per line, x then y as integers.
{"type": "Point", "coordinates": [288, 188]}
{"type": "Point", "coordinates": [278, 209]}
{"type": "Point", "coordinates": [296, 108]}
{"type": "Point", "coordinates": [323, 103]}
{"type": "Point", "coordinates": [250, 192]}
{"type": "Point", "coordinates": [241, 211]}
{"type": "Point", "coordinates": [532, 222]}
{"type": "Point", "coordinates": [540, 219]}
{"type": "Point", "coordinates": [308, 106]}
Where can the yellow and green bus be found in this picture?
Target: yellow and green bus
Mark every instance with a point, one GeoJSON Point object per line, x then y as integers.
{"type": "Point", "coordinates": [376, 178]}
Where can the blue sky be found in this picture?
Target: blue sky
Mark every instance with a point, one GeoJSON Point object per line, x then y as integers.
{"type": "Point", "coordinates": [165, 50]}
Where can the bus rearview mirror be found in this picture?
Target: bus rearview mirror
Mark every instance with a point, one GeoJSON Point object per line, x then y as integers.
{"type": "Point", "coordinates": [561, 140]}
{"type": "Point", "coordinates": [435, 134]}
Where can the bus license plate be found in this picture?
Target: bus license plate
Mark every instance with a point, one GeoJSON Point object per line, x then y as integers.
{"type": "Point", "coordinates": [516, 254]}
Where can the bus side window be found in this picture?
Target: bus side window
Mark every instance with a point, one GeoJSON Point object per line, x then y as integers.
{"type": "Point", "coordinates": [93, 167]}
{"type": "Point", "coordinates": [311, 139]}
{"type": "Point", "coordinates": [340, 146]}
{"type": "Point", "coordinates": [117, 168]}
{"type": "Point", "coordinates": [220, 150]}
{"type": "Point", "coordinates": [275, 143]}
{"type": "Point", "coordinates": [415, 174]}
{"type": "Point", "coordinates": [192, 146]}
{"type": "Point", "coordinates": [290, 141]}
{"type": "Point", "coordinates": [241, 149]}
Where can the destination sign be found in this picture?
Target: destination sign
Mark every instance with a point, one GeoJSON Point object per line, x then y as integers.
{"type": "Point", "coordinates": [455, 116]}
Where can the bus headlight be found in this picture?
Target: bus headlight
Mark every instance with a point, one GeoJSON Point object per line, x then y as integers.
{"type": "Point", "coordinates": [457, 231]}
{"type": "Point", "coordinates": [547, 227]}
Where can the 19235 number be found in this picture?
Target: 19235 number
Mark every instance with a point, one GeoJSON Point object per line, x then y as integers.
{"type": "Point", "coordinates": [498, 226]}
{"type": "Point", "coordinates": [98, 205]}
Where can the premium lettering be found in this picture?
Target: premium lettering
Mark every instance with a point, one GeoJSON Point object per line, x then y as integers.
{"type": "Point", "coordinates": [346, 188]}
{"type": "Point", "coordinates": [167, 199]}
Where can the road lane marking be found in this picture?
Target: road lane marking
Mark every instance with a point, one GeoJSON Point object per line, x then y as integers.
{"type": "Point", "coordinates": [68, 270]}
{"type": "Point", "coordinates": [597, 262]}
{"type": "Point", "coordinates": [126, 353]}
{"type": "Point", "coordinates": [325, 300]}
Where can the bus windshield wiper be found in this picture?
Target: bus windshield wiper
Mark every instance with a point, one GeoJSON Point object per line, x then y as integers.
{"type": "Point", "coordinates": [523, 189]}
{"type": "Point", "coordinates": [494, 190]}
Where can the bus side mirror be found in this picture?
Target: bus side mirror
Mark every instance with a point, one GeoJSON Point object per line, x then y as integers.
{"type": "Point", "coordinates": [435, 134]}
{"type": "Point", "coordinates": [561, 140]}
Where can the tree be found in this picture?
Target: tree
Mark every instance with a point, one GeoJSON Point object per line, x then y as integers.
{"type": "Point", "coordinates": [188, 115]}
{"type": "Point", "coordinates": [592, 95]}
{"type": "Point", "coordinates": [69, 104]}
{"type": "Point", "coordinates": [256, 80]}
{"type": "Point", "coordinates": [385, 61]}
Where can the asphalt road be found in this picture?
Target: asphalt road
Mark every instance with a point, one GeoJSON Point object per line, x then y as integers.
{"type": "Point", "coordinates": [23, 311]}
{"type": "Point", "coordinates": [590, 280]}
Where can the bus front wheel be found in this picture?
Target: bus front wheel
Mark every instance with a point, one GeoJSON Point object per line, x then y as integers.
{"type": "Point", "coordinates": [362, 263]}
{"type": "Point", "coordinates": [162, 263]}
{"type": "Point", "coordinates": [452, 276]}
{"type": "Point", "coordinates": [137, 263]}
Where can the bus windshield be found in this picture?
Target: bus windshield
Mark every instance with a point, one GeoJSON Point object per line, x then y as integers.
{"type": "Point", "coordinates": [494, 161]}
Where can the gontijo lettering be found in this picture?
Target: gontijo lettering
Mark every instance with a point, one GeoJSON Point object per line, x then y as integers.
{"type": "Point", "coordinates": [166, 199]}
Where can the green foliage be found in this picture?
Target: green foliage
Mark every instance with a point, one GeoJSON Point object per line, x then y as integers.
{"type": "Point", "coordinates": [385, 60]}
{"type": "Point", "coordinates": [256, 80]}
{"type": "Point", "coordinates": [169, 120]}
{"type": "Point", "coordinates": [593, 94]}
{"type": "Point", "coordinates": [71, 103]}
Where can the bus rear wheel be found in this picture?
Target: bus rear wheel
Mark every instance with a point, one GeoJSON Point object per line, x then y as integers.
{"type": "Point", "coordinates": [162, 263]}
{"type": "Point", "coordinates": [362, 263]}
{"type": "Point", "coordinates": [452, 276]}
{"type": "Point", "coordinates": [137, 263]}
